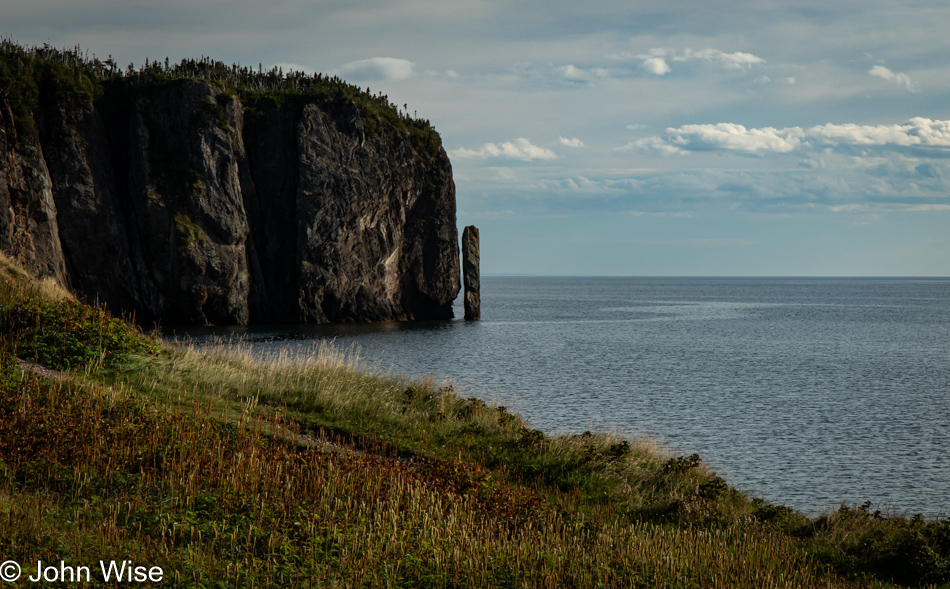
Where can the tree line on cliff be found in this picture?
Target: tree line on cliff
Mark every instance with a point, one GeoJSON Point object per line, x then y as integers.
{"type": "Point", "coordinates": [75, 71]}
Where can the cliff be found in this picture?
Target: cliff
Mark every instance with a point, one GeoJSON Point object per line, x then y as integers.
{"type": "Point", "coordinates": [199, 194]}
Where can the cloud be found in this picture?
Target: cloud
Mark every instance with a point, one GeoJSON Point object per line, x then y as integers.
{"type": "Point", "coordinates": [569, 72]}
{"type": "Point", "coordinates": [575, 184]}
{"type": "Point", "coordinates": [928, 171]}
{"type": "Point", "coordinates": [885, 74]}
{"type": "Point", "coordinates": [657, 144]}
{"type": "Point", "coordinates": [520, 148]}
{"type": "Point", "coordinates": [917, 132]}
{"type": "Point", "coordinates": [735, 137]}
{"type": "Point", "coordinates": [378, 68]}
{"type": "Point", "coordinates": [656, 65]}
{"type": "Point", "coordinates": [572, 142]}
{"type": "Point", "coordinates": [736, 60]}
{"type": "Point", "coordinates": [544, 75]}
{"type": "Point", "coordinates": [656, 61]}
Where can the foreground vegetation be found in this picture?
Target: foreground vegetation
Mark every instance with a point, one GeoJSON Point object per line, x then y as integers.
{"type": "Point", "coordinates": [231, 472]}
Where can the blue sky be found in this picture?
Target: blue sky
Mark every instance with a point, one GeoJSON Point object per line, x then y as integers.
{"type": "Point", "coordinates": [675, 137]}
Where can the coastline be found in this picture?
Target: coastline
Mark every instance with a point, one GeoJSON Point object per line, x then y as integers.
{"type": "Point", "coordinates": [810, 393]}
{"type": "Point", "coordinates": [190, 462]}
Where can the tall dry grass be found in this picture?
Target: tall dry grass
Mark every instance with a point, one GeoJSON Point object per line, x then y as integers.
{"type": "Point", "coordinates": [17, 284]}
{"type": "Point", "coordinates": [328, 390]}
{"type": "Point", "coordinates": [90, 471]}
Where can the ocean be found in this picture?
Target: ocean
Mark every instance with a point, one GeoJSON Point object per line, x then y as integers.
{"type": "Point", "coordinates": [809, 392]}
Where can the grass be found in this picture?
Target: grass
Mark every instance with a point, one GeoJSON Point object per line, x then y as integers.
{"type": "Point", "coordinates": [404, 418]}
{"type": "Point", "coordinates": [45, 324]}
{"type": "Point", "coordinates": [228, 471]}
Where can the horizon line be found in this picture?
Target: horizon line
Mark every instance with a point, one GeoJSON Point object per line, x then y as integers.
{"type": "Point", "coordinates": [814, 276]}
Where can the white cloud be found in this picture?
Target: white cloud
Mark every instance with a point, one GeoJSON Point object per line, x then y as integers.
{"type": "Point", "coordinates": [734, 60]}
{"type": "Point", "coordinates": [655, 65]}
{"type": "Point", "coordinates": [520, 148]}
{"type": "Point", "coordinates": [585, 185]}
{"type": "Point", "coordinates": [850, 134]}
{"type": "Point", "coordinates": [572, 142]}
{"type": "Point", "coordinates": [657, 144]}
{"type": "Point", "coordinates": [732, 137]}
{"type": "Point", "coordinates": [903, 79]}
{"type": "Point", "coordinates": [656, 60]}
{"type": "Point", "coordinates": [570, 72]}
{"type": "Point", "coordinates": [378, 68]}
{"type": "Point", "coordinates": [728, 136]}
{"type": "Point", "coordinates": [915, 132]}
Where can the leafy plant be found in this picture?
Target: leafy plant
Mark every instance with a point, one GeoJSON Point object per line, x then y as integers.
{"type": "Point", "coordinates": [68, 334]}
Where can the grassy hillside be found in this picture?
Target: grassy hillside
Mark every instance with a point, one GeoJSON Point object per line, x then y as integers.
{"type": "Point", "coordinates": [229, 472]}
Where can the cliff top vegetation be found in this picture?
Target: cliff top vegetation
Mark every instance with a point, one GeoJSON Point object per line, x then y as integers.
{"type": "Point", "coordinates": [28, 73]}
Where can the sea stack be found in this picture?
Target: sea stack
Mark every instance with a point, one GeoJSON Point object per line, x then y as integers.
{"type": "Point", "coordinates": [473, 301]}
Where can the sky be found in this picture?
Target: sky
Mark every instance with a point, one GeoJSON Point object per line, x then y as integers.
{"type": "Point", "coordinates": [609, 137]}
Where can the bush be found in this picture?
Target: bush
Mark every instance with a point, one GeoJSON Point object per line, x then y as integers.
{"type": "Point", "coordinates": [68, 334]}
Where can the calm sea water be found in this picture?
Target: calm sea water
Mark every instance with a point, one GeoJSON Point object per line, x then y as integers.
{"type": "Point", "coordinates": [807, 392]}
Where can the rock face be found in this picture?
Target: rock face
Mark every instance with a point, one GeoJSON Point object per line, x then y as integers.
{"type": "Point", "coordinates": [470, 278]}
{"type": "Point", "coordinates": [29, 231]}
{"type": "Point", "coordinates": [179, 203]}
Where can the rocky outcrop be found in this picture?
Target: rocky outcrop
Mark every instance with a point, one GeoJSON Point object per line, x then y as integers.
{"type": "Point", "coordinates": [187, 205]}
{"type": "Point", "coordinates": [93, 229]}
{"type": "Point", "coordinates": [470, 277]}
{"type": "Point", "coordinates": [177, 202]}
{"type": "Point", "coordinates": [29, 232]}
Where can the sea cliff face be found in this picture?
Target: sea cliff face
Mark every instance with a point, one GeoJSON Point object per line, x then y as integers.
{"type": "Point", "coordinates": [184, 203]}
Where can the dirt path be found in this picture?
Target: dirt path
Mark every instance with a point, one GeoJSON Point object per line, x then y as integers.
{"type": "Point", "coordinates": [39, 370]}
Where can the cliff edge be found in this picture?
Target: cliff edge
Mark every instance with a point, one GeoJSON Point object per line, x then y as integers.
{"type": "Point", "coordinates": [205, 194]}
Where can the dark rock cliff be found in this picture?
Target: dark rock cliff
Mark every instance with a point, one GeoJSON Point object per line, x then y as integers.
{"type": "Point", "coordinates": [178, 202]}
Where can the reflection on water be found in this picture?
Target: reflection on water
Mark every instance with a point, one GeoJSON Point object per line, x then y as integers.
{"type": "Point", "coordinates": [806, 391]}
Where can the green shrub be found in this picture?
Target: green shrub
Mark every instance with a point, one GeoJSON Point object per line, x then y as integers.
{"type": "Point", "coordinates": [906, 550]}
{"type": "Point", "coordinates": [68, 334]}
